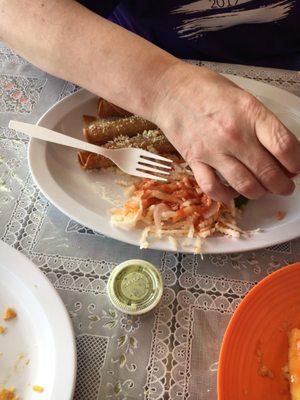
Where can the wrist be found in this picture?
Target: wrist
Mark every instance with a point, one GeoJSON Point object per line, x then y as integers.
{"type": "Point", "coordinates": [164, 87]}
{"type": "Point", "coordinates": [172, 86]}
{"type": "Point", "coordinates": [150, 84]}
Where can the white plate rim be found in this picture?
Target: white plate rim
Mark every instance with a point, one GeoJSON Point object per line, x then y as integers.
{"type": "Point", "coordinates": [61, 200]}
{"type": "Point", "coordinates": [65, 373]}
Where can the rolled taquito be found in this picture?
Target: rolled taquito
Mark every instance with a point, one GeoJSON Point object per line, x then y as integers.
{"type": "Point", "coordinates": [101, 132]}
{"type": "Point", "coordinates": [154, 141]}
{"type": "Point", "coordinates": [106, 109]}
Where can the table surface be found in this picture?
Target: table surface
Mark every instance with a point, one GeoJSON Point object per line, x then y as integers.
{"type": "Point", "coordinates": [172, 353]}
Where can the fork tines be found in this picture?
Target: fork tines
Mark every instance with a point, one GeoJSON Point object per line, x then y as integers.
{"type": "Point", "coordinates": [150, 166]}
{"type": "Point", "coordinates": [143, 174]}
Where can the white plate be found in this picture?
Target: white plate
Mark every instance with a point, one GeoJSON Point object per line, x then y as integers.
{"type": "Point", "coordinates": [76, 192]}
{"type": "Point", "coordinates": [42, 332]}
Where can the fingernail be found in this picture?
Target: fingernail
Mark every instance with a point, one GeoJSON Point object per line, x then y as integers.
{"type": "Point", "coordinates": [290, 191]}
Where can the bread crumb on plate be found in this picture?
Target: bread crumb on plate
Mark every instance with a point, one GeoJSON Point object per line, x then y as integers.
{"type": "Point", "coordinates": [37, 388]}
{"type": "Point", "coordinates": [2, 329]}
{"type": "Point", "coordinates": [8, 394]}
{"type": "Point", "coordinates": [9, 314]}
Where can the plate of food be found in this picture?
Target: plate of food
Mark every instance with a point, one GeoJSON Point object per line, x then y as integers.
{"type": "Point", "coordinates": [260, 354]}
{"type": "Point", "coordinates": [37, 346]}
{"type": "Point", "coordinates": [173, 216]}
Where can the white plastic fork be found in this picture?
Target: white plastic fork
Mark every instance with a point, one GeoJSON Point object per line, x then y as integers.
{"type": "Point", "coordinates": [137, 162]}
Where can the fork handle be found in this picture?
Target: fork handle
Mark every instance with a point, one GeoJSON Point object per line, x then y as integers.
{"type": "Point", "coordinates": [39, 132]}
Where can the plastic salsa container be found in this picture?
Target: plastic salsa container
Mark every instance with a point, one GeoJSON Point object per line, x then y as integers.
{"type": "Point", "coordinates": [135, 287]}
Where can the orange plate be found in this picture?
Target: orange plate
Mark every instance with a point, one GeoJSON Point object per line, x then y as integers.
{"type": "Point", "coordinates": [257, 335]}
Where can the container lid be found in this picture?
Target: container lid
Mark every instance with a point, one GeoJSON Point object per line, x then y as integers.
{"type": "Point", "coordinates": [135, 287]}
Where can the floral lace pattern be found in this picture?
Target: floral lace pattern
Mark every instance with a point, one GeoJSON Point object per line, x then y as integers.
{"type": "Point", "coordinates": [68, 88]}
{"type": "Point", "coordinates": [171, 353]}
{"type": "Point", "coordinates": [18, 94]}
{"type": "Point", "coordinates": [74, 226]}
{"type": "Point", "coordinates": [8, 56]}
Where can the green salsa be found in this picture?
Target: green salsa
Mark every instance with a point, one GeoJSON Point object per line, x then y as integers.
{"type": "Point", "coordinates": [135, 287]}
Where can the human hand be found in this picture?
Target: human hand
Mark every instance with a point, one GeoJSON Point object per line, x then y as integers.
{"type": "Point", "coordinates": [219, 127]}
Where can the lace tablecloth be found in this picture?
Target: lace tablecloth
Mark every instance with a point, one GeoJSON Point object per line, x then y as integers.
{"type": "Point", "coordinates": [171, 353]}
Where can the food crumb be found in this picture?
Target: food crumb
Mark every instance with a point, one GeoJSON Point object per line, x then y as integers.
{"type": "Point", "coordinates": [121, 182]}
{"type": "Point", "coordinates": [262, 370]}
{"type": "Point", "coordinates": [20, 363]}
{"type": "Point", "coordinates": [2, 329]}
{"type": "Point", "coordinates": [265, 372]}
{"type": "Point", "coordinates": [280, 215]}
{"type": "Point", "coordinates": [9, 314]}
{"type": "Point", "coordinates": [37, 388]}
{"type": "Point", "coordinates": [285, 372]}
{"type": "Point", "coordinates": [8, 394]}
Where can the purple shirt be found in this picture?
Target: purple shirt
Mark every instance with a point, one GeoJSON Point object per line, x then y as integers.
{"type": "Point", "coordinates": [265, 32]}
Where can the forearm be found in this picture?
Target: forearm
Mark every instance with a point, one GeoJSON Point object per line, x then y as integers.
{"type": "Point", "coordinates": [214, 124]}
{"type": "Point", "coordinates": [67, 40]}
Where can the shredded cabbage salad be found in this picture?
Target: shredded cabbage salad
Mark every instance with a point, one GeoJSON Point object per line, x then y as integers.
{"type": "Point", "coordinates": [177, 208]}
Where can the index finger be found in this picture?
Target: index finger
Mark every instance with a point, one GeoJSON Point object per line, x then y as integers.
{"type": "Point", "coordinates": [279, 141]}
